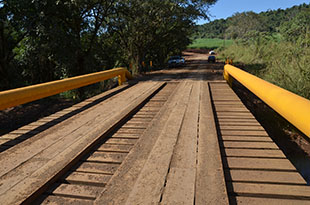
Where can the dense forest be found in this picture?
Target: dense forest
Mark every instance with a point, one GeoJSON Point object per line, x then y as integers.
{"type": "Point", "coordinates": [44, 40]}
{"type": "Point", "coordinates": [274, 45]}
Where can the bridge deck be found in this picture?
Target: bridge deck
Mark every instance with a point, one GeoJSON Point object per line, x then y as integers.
{"type": "Point", "coordinates": [188, 141]}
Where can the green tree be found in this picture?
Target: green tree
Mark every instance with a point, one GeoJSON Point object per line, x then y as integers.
{"type": "Point", "coordinates": [43, 40]}
{"type": "Point", "coordinates": [13, 29]}
{"type": "Point", "coordinates": [240, 24]}
{"type": "Point", "coordinates": [298, 29]}
{"type": "Point", "coordinates": [154, 29]}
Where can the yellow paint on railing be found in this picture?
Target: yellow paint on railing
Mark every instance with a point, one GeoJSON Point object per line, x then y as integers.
{"type": "Point", "coordinates": [14, 97]}
{"type": "Point", "coordinates": [292, 107]}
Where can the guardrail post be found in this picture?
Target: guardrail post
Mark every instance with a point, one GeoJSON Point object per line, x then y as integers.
{"type": "Point", "coordinates": [151, 65]}
{"type": "Point", "coordinates": [228, 78]}
{"type": "Point", "coordinates": [121, 79]}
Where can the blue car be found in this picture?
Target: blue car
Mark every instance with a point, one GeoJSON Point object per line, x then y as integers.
{"type": "Point", "coordinates": [211, 59]}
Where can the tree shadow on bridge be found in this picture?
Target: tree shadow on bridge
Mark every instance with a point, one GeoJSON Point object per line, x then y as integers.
{"type": "Point", "coordinates": [60, 119]}
{"type": "Point", "coordinates": [193, 70]}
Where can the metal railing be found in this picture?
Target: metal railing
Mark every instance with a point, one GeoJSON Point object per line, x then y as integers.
{"type": "Point", "coordinates": [14, 97]}
{"type": "Point", "coordinates": [292, 107]}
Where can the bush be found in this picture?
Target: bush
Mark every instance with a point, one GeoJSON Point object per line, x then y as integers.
{"type": "Point", "coordinates": [282, 63]}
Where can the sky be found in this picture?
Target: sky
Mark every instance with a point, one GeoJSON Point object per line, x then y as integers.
{"type": "Point", "coordinates": [226, 8]}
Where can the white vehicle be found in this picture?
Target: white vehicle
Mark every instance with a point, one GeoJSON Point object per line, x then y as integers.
{"type": "Point", "coordinates": [212, 52]}
{"type": "Point", "coordinates": [176, 61]}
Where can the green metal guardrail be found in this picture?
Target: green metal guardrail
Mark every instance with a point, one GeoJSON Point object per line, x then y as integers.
{"type": "Point", "coordinates": [292, 107]}
{"type": "Point", "coordinates": [14, 97]}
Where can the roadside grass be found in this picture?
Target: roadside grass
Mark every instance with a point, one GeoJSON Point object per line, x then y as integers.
{"type": "Point", "coordinates": [210, 43]}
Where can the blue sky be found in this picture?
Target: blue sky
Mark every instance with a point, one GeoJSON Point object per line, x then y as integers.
{"type": "Point", "coordinates": [226, 8]}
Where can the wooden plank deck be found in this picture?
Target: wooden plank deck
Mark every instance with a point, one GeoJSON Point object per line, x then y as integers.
{"type": "Point", "coordinates": [219, 154]}
{"type": "Point", "coordinates": [31, 164]}
{"type": "Point", "coordinates": [202, 146]}
{"type": "Point", "coordinates": [256, 170]}
{"type": "Point", "coordinates": [183, 166]}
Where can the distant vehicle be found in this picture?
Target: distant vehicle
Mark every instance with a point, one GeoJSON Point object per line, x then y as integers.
{"type": "Point", "coordinates": [176, 61]}
{"type": "Point", "coordinates": [211, 59]}
{"type": "Point", "coordinates": [212, 52]}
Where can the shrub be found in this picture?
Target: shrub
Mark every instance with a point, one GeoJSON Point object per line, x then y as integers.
{"type": "Point", "coordinates": [282, 63]}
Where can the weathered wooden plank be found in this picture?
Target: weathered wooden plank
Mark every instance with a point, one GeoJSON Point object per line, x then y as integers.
{"type": "Point", "coordinates": [247, 138]}
{"type": "Point", "coordinates": [180, 187]}
{"type": "Point", "coordinates": [256, 145]}
{"type": "Point", "coordinates": [114, 148]}
{"type": "Point", "coordinates": [53, 200]}
{"type": "Point", "coordinates": [226, 97]}
{"type": "Point", "coordinates": [209, 166]}
{"type": "Point", "coordinates": [129, 141]}
{"type": "Point", "coordinates": [272, 189]}
{"type": "Point", "coordinates": [145, 113]}
{"type": "Point", "coordinates": [244, 132]}
{"type": "Point", "coordinates": [243, 123]}
{"type": "Point", "coordinates": [149, 109]}
{"type": "Point", "coordinates": [93, 167]}
{"type": "Point", "coordinates": [227, 103]}
{"type": "Point", "coordinates": [148, 187]}
{"type": "Point", "coordinates": [235, 114]}
{"type": "Point", "coordinates": [180, 183]}
{"type": "Point", "coordinates": [88, 178]}
{"type": "Point", "coordinates": [232, 109]}
{"type": "Point", "coordinates": [136, 124]}
{"type": "Point", "coordinates": [259, 163]}
{"type": "Point", "coordinates": [140, 119]}
{"type": "Point", "coordinates": [254, 153]}
{"type": "Point", "coordinates": [235, 117]}
{"type": "Point", "coordinates": [226, 100]}
{"type": "Point", "coordinates": [129, 131]}
{"type": "Point", "coordinates": [248, 127]}
{"type": "Point", "coordinates": [237, 120]}
{"type": "Point", "coordinates": [275, 177]}
{"type": "Point", "coordinates": [107, 157]}
{"type": "Point", "coordinates": [185, 151]}
{"type": "Point", "coordinates": [126, 136]}
{"type": "Point", "coordinates": [77, 191]}
{"type": "Point", "coordinates": [154, 104]}
{"type": "Point", "coordinates": [263, 200]}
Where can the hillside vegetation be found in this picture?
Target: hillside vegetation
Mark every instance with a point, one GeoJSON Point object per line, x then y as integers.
{"type": "Point", "coordinates": [238, 25]}
{"type": "Point", "coordinates": [274, 45]}
{"type": "Point", "coordinates": [210, 43]}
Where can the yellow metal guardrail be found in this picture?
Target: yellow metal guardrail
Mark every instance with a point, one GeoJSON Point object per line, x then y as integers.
{"type": "Point", "coordinates": [292, 107]}
{"type": "Point", "coordinates": [14, 97]}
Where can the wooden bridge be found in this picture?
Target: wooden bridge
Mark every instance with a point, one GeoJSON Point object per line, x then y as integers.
{"type": "Point", "coordinates": [179, 136]}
